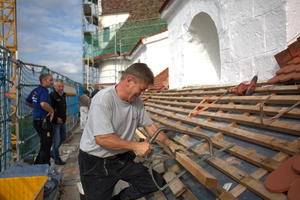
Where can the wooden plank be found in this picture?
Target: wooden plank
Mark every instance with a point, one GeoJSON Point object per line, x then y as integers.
{"type": "Point", "coordinates": [177, 186]}
{"type": "Point", "coordinates": [245, 179]}
{"type": "Point", "coordinates": [246, 154]}
{"type": "Point", "coordinates": [159, 168]}
{"type": "Point", "coordinates": [188, 195]}
{"type": "Point", "coordinates": [223, 86]}
{"type": "Point", "coordinates": [238, 190]}
{"type": "Point", "coordinates": [159, 195]}
{"type": "Point", "coordinates": [287, 89]}
{"type": "Point", "coordinates": [218, 191]}
{"type": "Point", "coordinates": [283, 89]}
{"type": "Point", "coordinates": [269, 110]}
{"type": "Point", "coordinates": [240, 176]}
{"type": "Point", "coordinates": [221, 193]}
{"type": "Point", "coordinates": [286, 99]}
{"type": "Point", "coordinates": [285, 127]}
{"type": "Point", "coordinates": [263, 140]}
{"type": "Point", "coordinates": [261, 190]}
{"type": "Point", "coordinates": [251, 182]}
{"type": "Point", "coordinates": [198, 172]}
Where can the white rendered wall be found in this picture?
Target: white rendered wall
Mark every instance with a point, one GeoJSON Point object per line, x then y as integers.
{"type": "Point", "coordinates": [109, 20]}
{"type": "Point", "coordinates": [200, 52]}
{"type": "Point", "coordinates": [154, 51]}
{"type": "Point", "coordinates": [110, 70]}
{"type": "Point", "coordinates": [293, 22]}
{"type": "Point", "coordinates": [250, 33]}
{"type": "Point", "coordinates": [108, 66]}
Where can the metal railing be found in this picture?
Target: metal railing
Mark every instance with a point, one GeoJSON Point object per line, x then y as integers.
{"type": "Point", "coordinates": [18, 137]}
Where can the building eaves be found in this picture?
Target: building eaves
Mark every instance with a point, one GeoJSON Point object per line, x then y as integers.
{"type": "Point", "coordinates": [164, 6]}
{"type": "Point", "coordinates": [130, 34]}
{"type": "Point", "coordinates": [141, 40]}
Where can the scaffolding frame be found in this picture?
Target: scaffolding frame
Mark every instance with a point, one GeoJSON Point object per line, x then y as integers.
{"type": "Point", "coordinates": [123, 38]}
{"type": "Point", "coordinates": [89, 28]}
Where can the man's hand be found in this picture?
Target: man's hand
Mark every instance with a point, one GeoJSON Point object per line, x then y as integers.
{"type": "Point", "coordinates": [175, 148]}
{"type": "Point", "coordinates": [143, 148]}
{"type": "Point", "coordinates": [51, 116]}
{"type": "Point", "coordinates": [59, 120]}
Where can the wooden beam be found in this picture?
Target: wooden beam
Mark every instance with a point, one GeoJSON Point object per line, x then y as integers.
{"type": "Point", "coordinates": [269, 110]}
{"type": "Point", "coordinates": [286, 127]}
{"type": "Point", "coordinates": [246, 154]}
{"type": "Point", "coordinates": [198, 172]}
{"type": "Point", "coordinates": [238, 175]}
{"type": "Point", "coordinates": [284, 89]}
{"type": "Point", "coordinates": [177, 186]}
{"type": "Point", "coordinates": [263, 140]}
{"type": "Point", "coordinates": [286, 99]}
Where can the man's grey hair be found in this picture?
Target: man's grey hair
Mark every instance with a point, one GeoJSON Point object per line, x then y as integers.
{"type": "Point", "coordinates": [58, 81]}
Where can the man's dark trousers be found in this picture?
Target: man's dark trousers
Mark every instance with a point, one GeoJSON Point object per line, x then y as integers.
{"type": "Point", "coordinates": [45, 133]}
{"type": "Point", "coordinates": [99, 176]}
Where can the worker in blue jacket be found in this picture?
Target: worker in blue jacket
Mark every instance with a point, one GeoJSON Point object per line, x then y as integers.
{"type": "Point", "coordinates": [39, 100]}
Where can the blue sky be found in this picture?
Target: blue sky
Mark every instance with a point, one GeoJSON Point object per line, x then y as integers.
{"type": "Point", "coordinates": [49, 34]}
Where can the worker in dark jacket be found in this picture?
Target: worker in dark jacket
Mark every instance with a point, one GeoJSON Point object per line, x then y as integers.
{"type": "Point", "coordinates": [59, 104]}
{"type": "Point", "coordinates": [97, 88]}
{"type": "Point", "coordinates": [39, 100]}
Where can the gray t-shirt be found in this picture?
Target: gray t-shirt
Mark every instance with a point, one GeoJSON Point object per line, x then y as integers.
{"type": "Point", "coordinates": [109, 114]}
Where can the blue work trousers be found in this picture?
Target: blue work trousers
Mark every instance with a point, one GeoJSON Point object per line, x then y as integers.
{"type": "Point", "coordinates": [100, 175]}
{"type": "Point", "coordinates": [59, 136]}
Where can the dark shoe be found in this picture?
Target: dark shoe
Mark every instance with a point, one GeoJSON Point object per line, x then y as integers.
{"type": "Point", "coordinates": [59, 162]}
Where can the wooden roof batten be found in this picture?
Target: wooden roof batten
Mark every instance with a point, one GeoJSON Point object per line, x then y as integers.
{"type": "Point", "coordinates": [234, 120]}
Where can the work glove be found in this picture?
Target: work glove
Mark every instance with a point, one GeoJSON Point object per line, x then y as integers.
{"type": "Point", "coordinates": [176, 148]}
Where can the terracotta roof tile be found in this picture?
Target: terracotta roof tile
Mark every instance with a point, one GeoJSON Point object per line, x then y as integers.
{"type": "Point", "coordinates": [297, 60]}
{"type": "Point", "coordinates": [296, 76]}
{"type": "Point", "coordinates": [298, 68]}
{"type": "Point", "coordinates": [294, 48]}
{"type": "Point", "coordinates": [290, 69]}
{"type": "Point", "coordinates": [281, 179]}
{"type": "Point", "coordinates": [162, 79]}
{"type": "Point", "coordinates": [294, 192]}
{"type": "Point", "coordinates": [289, 62]}
{"type": "Point", "coordinates": [286, 77]}
{"type": "Point", "coordinates": [283, 58]}
{"type": "Point", "coordinates": [273, 80]}
{"type": "Point", "coordinates": [281, 71]}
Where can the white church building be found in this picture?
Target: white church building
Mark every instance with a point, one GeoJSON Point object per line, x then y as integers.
{"type": "Point", "coordinates": [219, 42]}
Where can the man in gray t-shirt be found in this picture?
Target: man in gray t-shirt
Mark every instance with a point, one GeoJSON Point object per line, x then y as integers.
{"type": "Point", "coordinates": [114, 115]}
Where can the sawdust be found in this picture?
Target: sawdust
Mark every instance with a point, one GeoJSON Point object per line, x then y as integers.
{"type": "Point", "coordinates": [233, 160]}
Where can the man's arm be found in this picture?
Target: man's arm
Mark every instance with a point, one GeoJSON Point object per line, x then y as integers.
{"type": "Point", "coordinates": [28, 104]}
{"type": "Point", "coordinates": [160, 137]}
{"type": "Point", "coordinates": [113, 142]}
{"type": "Point", "coordinates": [48, 108]}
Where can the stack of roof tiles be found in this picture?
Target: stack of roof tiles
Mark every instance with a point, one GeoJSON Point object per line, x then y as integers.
{"type": "Point", "coordinates": [161, 80]}
{"type": "Point", "coordinates": [289, 63]}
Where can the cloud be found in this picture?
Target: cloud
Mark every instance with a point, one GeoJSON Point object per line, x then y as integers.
{"type": "Point", "coordinates": [49, 34]}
